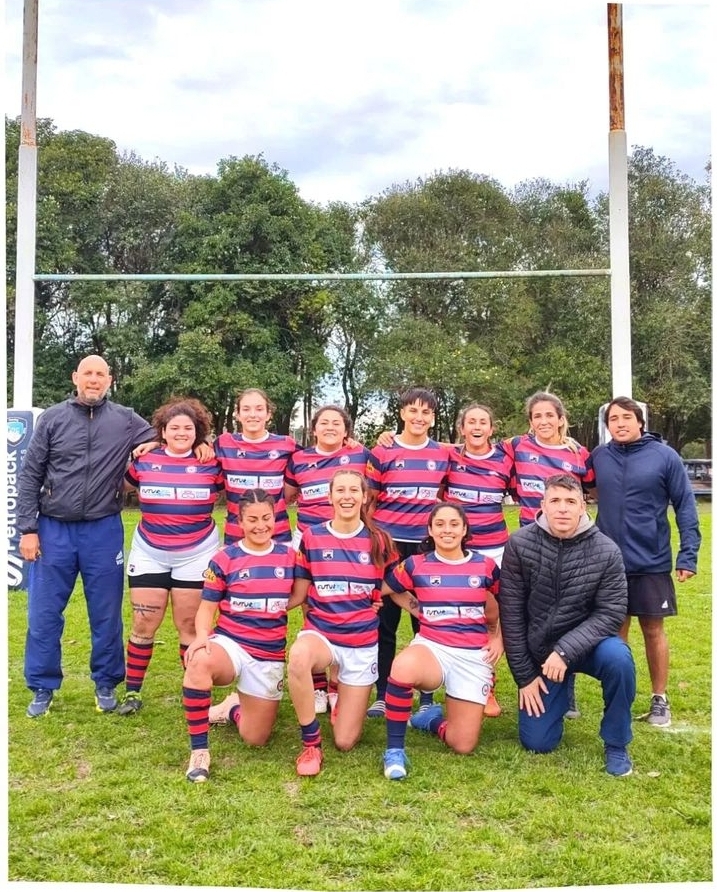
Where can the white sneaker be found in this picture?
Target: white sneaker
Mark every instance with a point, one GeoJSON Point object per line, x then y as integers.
{"type": "Point", "coordinates": [219, 713]}
{"type": "Point", "coordinates": [321, 701]}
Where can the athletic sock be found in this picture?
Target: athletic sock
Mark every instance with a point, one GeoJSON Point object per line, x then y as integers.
{"type": "Point", "coordinates": [311, 733]}
{"type": "Point", "coordinates": [319, 680]}
{"type": "Point", "coordinates": [138, 657]}
{"type": "Point", "coordinates": [399, 698]}
{"type": "Point", "coordinates": [182, 652]}
{"type": "Point", "coordinates": [196, 711]}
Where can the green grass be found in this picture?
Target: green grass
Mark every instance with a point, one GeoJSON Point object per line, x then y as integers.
{"type": "Point", "coordinates": [100, 798]}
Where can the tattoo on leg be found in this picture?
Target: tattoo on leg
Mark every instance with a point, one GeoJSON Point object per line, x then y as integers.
{"type": "Point", "coordinates": [145, 609]}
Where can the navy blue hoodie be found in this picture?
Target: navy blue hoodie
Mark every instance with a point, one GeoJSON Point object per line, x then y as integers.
{"type": "Point", "coordinates": [636, 482]}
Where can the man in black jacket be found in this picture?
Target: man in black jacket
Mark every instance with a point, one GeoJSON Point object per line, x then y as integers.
{"type": "Point", "coordinates": [69, 502]}
{"type": "Point", "coordinates": [563, 599]}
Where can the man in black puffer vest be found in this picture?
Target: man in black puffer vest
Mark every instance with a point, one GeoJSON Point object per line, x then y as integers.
{"type": "Point", "coordinates": [563, 599]}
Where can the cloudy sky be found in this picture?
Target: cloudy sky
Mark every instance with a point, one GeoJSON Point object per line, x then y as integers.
{"type": "Point", "coordinates": [351, 97]}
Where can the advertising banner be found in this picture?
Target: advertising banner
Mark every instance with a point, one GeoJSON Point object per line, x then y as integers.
{"type": "Point", "coordinates": [20, 425]}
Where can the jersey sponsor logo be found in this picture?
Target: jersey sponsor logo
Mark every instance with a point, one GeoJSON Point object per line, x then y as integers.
{"type": "Point", "coordinates": [462, 495]}
{"type": "Point", "coordinates": [279, 572]}
{"type": "Point", "coordinates": [435, 580]}
{"type": "Point", "coordinates": [240, 605]}
{"type": "Point", "coordinates": [209, 575]}
{"type": "Point", "coordinates": [329, 587]}
{"type": "Point", "coordinates": [193, 495]}
{"type": "Point", "coordinates": [471, 611]}
{"type": "Point", "coordinates": [364, 557]}
{"type": "Point", "coordinates": [490, 498]}
{"type": "Point", "coordinates": [276, 605]}
{"type": "Point", "coordinates": [361, 588]}
{"type": "Point", "coordinates": [534, 486]}
{"type": "Point", "coordinates": [429, 493]}
{"type": "Point", "coordinates": [344, 460]}
{"type": "Point", "coordinates": [156, 492]}
{"type": "Point", "coordinates": [434, 614]}
{"type": "Point", "coordinates": [190, 469]}
{"type": "Point", "coordinates": [242, 481]}
{"type": "Point", "coordinates": [405, 492]}
{"type": "Point", "coordinates": [474, 581]}
{"type": "Point", "coordinates": [317, 491]}
{"type": "Point", "coordinates": [270, 483]}
{"type": "Point", "coordinates": [431, 465]}
{"type": "Point", "coordinates": [566, 466]}
{"type": "Point", "coordinates": [328, 554]}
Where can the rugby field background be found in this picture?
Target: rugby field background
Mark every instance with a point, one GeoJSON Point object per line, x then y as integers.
{"type": "Point", "coordinates": [103, 799]}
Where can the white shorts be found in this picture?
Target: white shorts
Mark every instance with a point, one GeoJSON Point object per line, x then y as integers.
{"type": "Point", "coordinates": [356, 665]}
{"type": "Point", "coordinates": [258, 678]}
{"type": "Point", "coordinates": [186, 565]}
{"type": "Point", "coordinates": [467, 674]}
{"type": "Point", "coordinates": [495, 553]}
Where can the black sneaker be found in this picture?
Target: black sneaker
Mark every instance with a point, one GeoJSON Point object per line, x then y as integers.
{"type": "Point", "coordinates": [131, 703]}
{"type": "Point", "coordinates": [105, 699]}
{"type": "Point", "coordinates": [41, 703]}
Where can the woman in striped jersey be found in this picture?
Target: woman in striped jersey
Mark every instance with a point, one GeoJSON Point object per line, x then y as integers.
{"type": "Point", "coordinates": [479, 475]}
{"type": "Point", "coordinates": [254, 458]}
{"type": "Point", "coordinates": [545, 450]}
{"type": "Point", "coordinates": [175, 538]}
{"type": "Point", "coordinates": [339, 573]}
{"type": "Point", "coordinates": [308, 477]}
{"type": "Point", "coordinates": [247, 589]}
{"type": "Point", "coordinates": [452, 590]}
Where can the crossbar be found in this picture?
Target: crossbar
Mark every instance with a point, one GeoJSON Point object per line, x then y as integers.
{"type": "Point", "coordinates": [309, 277]}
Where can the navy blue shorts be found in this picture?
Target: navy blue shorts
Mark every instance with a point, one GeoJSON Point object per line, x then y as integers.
{"type": "Point", "coordinates": [651, 594]}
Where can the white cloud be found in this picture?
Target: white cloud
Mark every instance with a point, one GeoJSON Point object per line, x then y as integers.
{"type": "Point", "coordinates": [351, 97]}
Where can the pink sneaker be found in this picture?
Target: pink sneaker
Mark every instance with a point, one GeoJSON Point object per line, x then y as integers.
{"type": "Point", "coordinates": [219, 713]}
{"type": "Point", "coordinates": [309, 761]}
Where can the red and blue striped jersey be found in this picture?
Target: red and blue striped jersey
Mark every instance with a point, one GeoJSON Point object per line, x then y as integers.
{"type": "Point", "coordinates": [176, 497]}
{"type": "Point", "coordinates": [248, 464]}
{"type": "Point", "coordinates": [534, 462]}
{"type": "Point", "coordinates": [310, 471]}
{"type": "Point", "coordinates": [252, 591]}
{"type": "Point", "coordinates": [406, 482]}
{"type": "Point", "coordinates": [451, 596]}
{"type": "Point", "coordinates": [479, 484]}
{"type": "Point", "coordinates": [344, 584]}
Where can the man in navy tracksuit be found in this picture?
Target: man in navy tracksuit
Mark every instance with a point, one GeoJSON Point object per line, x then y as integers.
{"type": "Point", "coordinates": [638, 476]}
{"type": "Point", "coordinates": [70, 498]}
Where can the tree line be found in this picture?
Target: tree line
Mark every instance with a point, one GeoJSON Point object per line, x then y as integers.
{"type": "Point", "coordinates": [495, 340]}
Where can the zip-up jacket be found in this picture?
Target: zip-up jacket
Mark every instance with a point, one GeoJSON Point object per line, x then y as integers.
{"type": "Point", "coordinates": [558, 594]}
{"type": "Point", "coordinates": [75, 463]}
{"type": "Point", "coordinates": [636, 482]}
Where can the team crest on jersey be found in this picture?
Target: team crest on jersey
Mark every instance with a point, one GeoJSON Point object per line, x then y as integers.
{"type": "Point", "coordinates": [435, 580]}
{"type": "Point", "coordinates": [344, 460]}
{"type": "Point", "coordinates": [244, 574]}
{"type": "Point", "coordinates": [364, 557]}
{"type": "Point", "coordinates": [474, 581]}
{"type": "Point", "coordinates": [328, 554]}
{"type": "Point", "coordinates": [567, 467]}
{"type": "Point", "coordinates": [431, 465]}
{"type": "Point", "coordinates": [191, 469]}
{"type": "Point", "coordinates": [279, 572]}
{"type": "Point", "coordinates": [273, 454]}
{"type": "Point", "coordinates": [209, 575]}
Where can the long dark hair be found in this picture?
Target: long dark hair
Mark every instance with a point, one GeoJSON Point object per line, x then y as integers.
{"type": "Point", "coordinates": [428, 544]}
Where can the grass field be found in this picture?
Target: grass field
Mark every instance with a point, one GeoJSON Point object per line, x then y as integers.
{"type": "Point", "coordinates": [103, 799]}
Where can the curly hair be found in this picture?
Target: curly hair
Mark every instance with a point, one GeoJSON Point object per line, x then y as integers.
{"type": "Point", "coordinates": [184, 405]}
